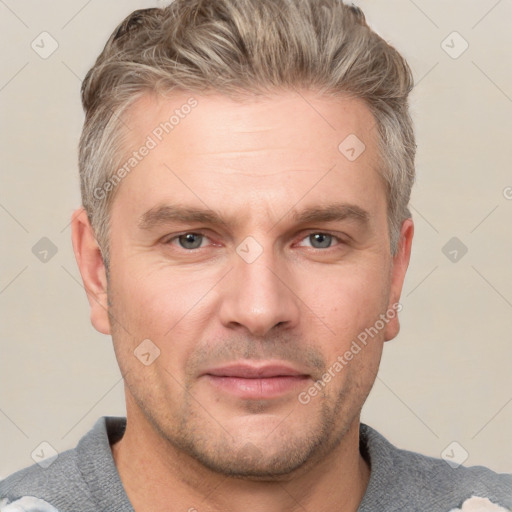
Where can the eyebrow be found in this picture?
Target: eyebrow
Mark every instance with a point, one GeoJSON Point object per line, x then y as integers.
{"type": "Point", "coordinates": [328, 213]}
{"type": "Point", "coordinates": [168, 214]}
{"type": "Point", "coordinates": [332, 212]}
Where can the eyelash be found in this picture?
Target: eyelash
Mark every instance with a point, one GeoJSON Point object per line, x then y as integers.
{"type": "Point", "coordinates": [334, 237]}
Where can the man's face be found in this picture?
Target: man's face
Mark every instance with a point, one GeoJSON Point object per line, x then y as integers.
{"type": "Point", "coordinates": [253, 303]}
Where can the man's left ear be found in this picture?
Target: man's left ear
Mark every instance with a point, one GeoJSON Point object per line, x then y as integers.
{"type": "Point", "coordinates": [399, 268]}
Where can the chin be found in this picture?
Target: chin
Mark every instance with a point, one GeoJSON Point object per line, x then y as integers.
{"type": "Point", "coordinates": [251, 463]}
{"type": "Point", "coordinates": [276, 455]}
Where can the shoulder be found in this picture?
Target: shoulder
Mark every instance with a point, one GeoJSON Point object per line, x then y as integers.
{"type": "Point", "coordinates": [69, 481]}
{"type": "Point", "coordinates": [403, 480]}
{"type": "Point", "coordinates": [59, 484]}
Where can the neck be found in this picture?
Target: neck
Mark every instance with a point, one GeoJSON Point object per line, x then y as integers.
{"type": "Point", "coordinates": [158, 477]}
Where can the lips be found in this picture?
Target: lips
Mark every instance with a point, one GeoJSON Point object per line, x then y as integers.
{"type": "Point", "coordinates": [254, 372]}
{"type": "Point", "coordinates": [257, 382]}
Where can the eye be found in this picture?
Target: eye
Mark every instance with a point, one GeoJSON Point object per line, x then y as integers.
{"type": "Point", "coordinates": [320, 240]}
{"type": "Point", "coordinates": [189, 240]}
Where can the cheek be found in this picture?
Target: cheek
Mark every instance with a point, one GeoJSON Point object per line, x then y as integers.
{"type": "Point", "coordinates": [169, 308]}
{"type": "Point", "coordinates": [157, 299]}
{"type": "Point", "coordinates": [347, 299]}
{"type": "Point", "coordinates": [349, 302]}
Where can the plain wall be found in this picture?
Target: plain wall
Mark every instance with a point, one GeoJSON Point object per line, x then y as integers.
{"type": "Point", "coordinates": [446, 377]}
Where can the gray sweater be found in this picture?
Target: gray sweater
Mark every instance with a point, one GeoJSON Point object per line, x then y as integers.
{"type": "Point", "coordinates": [85, 479]}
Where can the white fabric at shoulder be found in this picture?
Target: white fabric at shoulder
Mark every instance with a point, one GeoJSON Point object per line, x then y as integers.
{"type": "Point", "coordinates": [26, 504]}
{"type": "Point", "coordinates": [477, 504]}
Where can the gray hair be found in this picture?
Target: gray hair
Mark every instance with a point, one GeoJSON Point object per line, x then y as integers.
{"type": "Point", "coordinates": [242, 47]}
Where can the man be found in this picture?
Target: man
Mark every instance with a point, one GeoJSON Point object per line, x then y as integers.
{"type": "Point", "coordinates": [246, 167]}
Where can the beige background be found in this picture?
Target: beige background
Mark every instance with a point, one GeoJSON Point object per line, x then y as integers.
{"type": "Point", "coordinates": [447, 377]}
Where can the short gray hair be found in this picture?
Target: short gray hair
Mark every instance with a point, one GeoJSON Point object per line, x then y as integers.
{"type": "Point", "coordinates": [238, 47]}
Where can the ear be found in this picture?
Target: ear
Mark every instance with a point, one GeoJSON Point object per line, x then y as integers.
{"type": "Point", "coordinates": [398, 270]}
{"type": "Point", "coordinates": [92, 269]}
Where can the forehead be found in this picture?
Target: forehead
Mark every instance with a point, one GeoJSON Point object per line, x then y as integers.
{"type": "Point", "coordinates": [215, 123]}
{"type": "Point", "coordinates": [263, 152]}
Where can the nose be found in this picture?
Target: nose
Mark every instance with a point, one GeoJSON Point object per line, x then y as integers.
{"type": "Point", "coordinates": [259, 295]}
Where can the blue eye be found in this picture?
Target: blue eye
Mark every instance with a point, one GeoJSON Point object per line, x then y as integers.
{"type": "Point", "coordinates": [320, 240]}
{"type": "Point", "coordinates": [190, 240]}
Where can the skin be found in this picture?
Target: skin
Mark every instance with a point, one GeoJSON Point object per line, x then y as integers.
{"type": "Point", "coordinates": [255, 163]}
